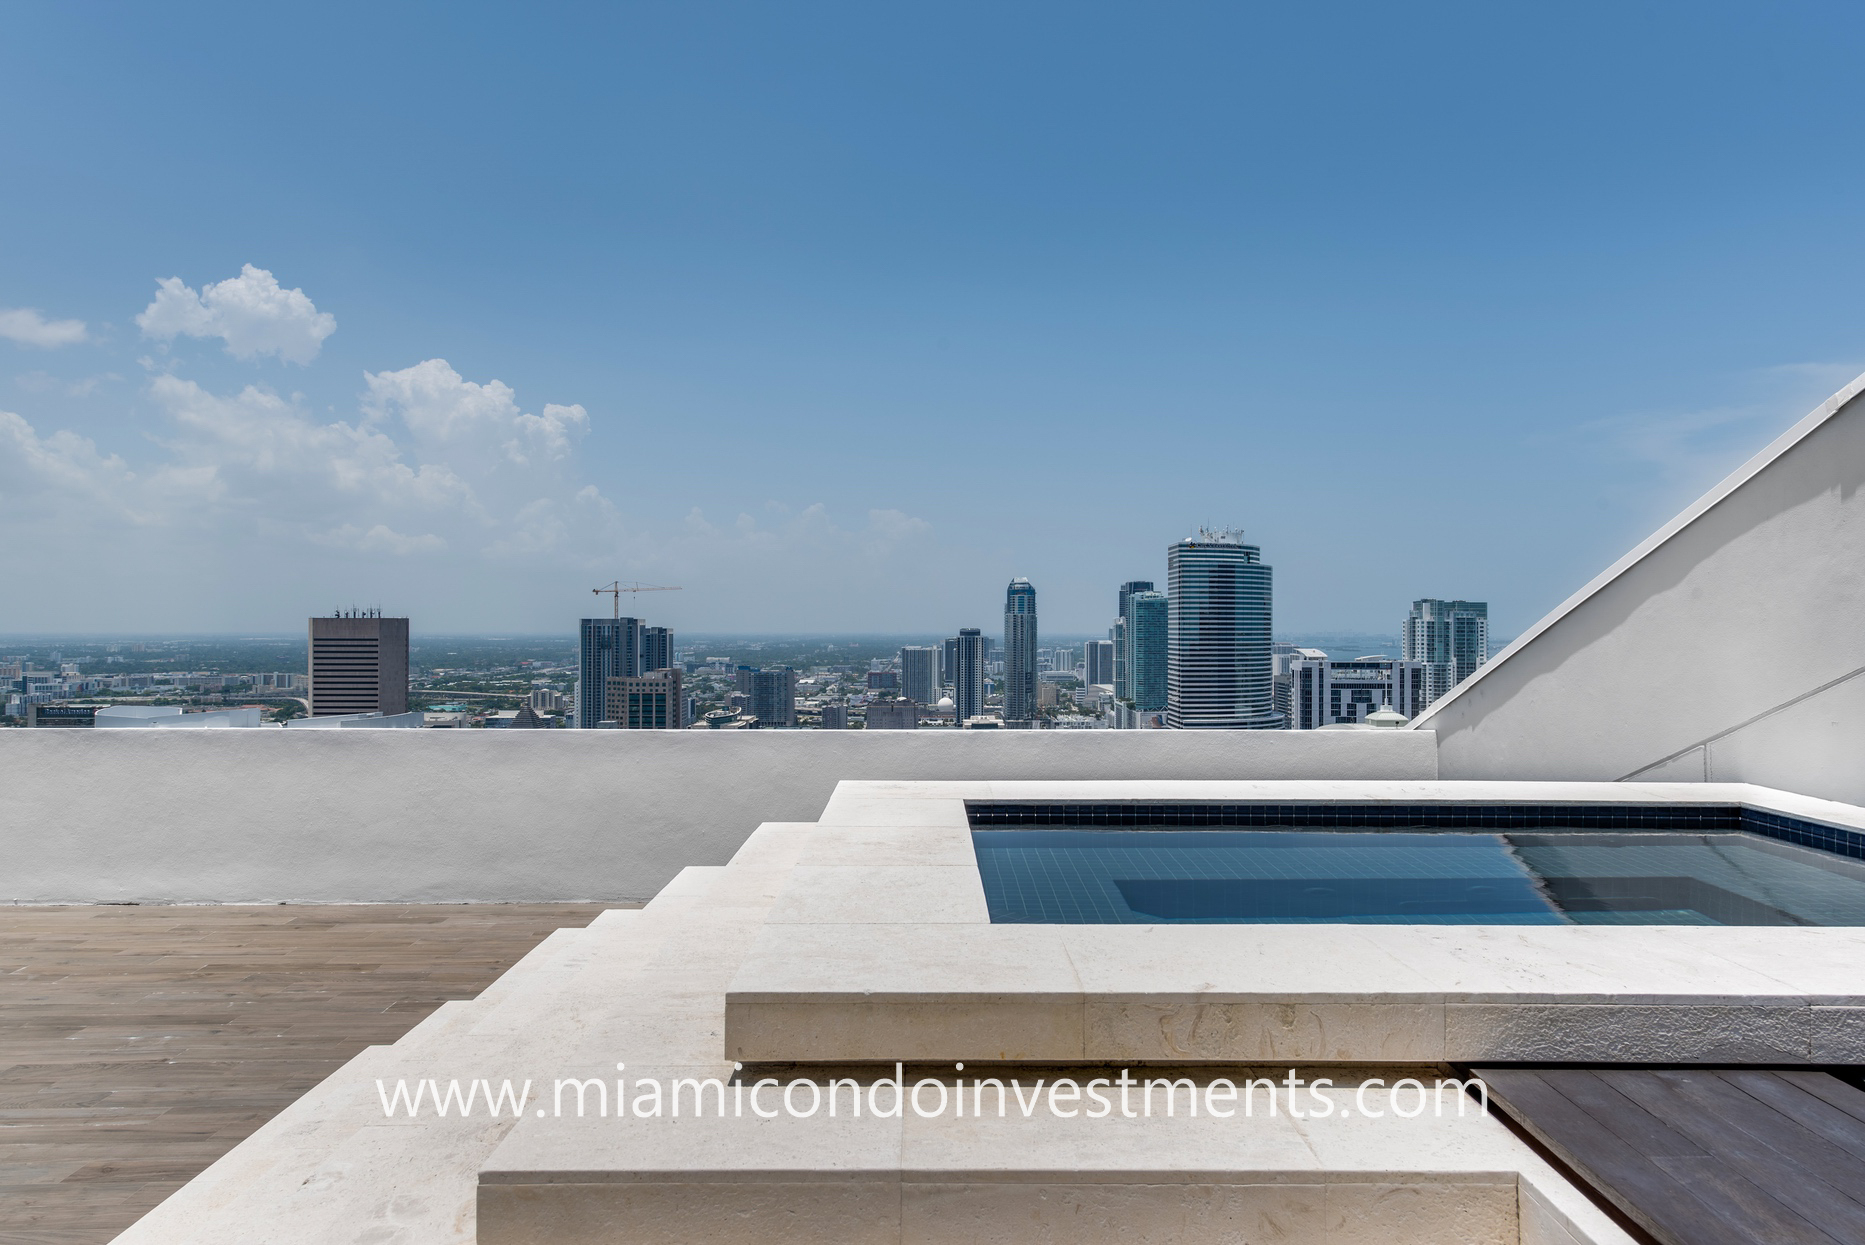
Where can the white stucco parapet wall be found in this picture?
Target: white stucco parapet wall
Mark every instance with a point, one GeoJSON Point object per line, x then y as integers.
{"type": "Point", "coordinates": [1726, 647]}
{"type": "Point", "coordinates": [255, 816]}
{"type": "Point", "coordinates": [881, 947]}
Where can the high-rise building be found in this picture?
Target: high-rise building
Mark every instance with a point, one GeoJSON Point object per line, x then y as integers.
{"type": "Point", "coordinates": [1062, 659]}
{"type": "Point", "coordinates": [1282, 658]}
{"type": "Point", "coordinates": [919, 671]}
{"type": "Point", "coordinates": [835, 717]}
{"type": "Point", "coordinates": [1451, 638]}
{"type": "Point", "coordinates": [359, 664]}
{"type": "Point", "coordinates": [1147, 625]}
{"type": "Point", "coordinates": [647, 702]}
{"type": "Point", "coordinates": [656, 649]}
{"type": "Point", "coordinates": [1325, 692]}
{"type": "Point", "coordinates": [968, 661]}
{"type": "Point", "coordinates": [1218, 672]}
{"type": "Point", "coordinates": [774, 697]}
{"type": "Point", "coordinates": [1118, 634]}
{"type": "Point", "coordinates": [948, 662]}
{"type": "Point", "coordinates": [1019, 651]}
{"type": "Point", "coordinates": [893, 715]}
{"type": "Point", "coordinates": [608, 648]}
{"type": "Point", "coordinates": [1097, 662]}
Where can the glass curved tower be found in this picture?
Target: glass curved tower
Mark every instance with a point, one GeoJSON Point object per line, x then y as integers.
{"type": "Point", "coordinates": [1218, 670]}
{"type": "Point", "coordinates": [1020, 651]}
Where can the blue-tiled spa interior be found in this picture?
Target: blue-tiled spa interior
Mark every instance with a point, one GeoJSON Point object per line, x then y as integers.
{"type": "Point", "coordinates": [1065, 865]}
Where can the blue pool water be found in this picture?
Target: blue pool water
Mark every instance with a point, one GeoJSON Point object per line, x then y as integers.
{"type": "Point", "coordinates": [1549, 877]}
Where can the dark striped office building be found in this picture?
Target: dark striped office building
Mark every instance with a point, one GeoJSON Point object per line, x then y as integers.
{"type": "Point", "coordinates": [359, 664]}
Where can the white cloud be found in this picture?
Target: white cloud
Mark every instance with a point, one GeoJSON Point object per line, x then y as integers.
{"type": "Point", "coordinates": [808, 532]}
{"type": "Point", "coordinates": [438, 404]}
{"type": "Point", "coordinates": [45, 382]}
{"type": "Point", "coordinates": [432, 492]}
{"type": "Point", "coordinates": [89, 385]}
{"type": "Point", "coordinates": [549, 434]}
{"type": "Point", "coordinates": [538, 528]}
{"type": "Point", "coordinates": [427, 469]}
{"type": "Point", "coordinates": [585, 530]}
{"type": "Point", "coordinates": [265, 447]}
{"type": "Point", "coordinates": [1695, 448]}
{"type": "Point", "coordinates": [889, 527]}
{"type": "Point", "coordinates": [29, 328]}
{"type": "Point", "coordinates": [63, 462]}
{"type": "Point", "coordinates": [472, 423]}
{"type": "Point", "coordinates": [250, 312]}
{"type": "Point", "coordinates": [64, 482]}
{"type": "Point", "coordinates": [381, 539]}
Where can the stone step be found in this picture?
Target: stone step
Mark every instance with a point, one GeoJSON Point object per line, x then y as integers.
{"type": "Point", "coordinates": [332, 1167]}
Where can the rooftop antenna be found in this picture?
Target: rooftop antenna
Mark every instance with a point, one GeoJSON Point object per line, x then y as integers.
{"type": "Point", "coordinates": [617, 588]}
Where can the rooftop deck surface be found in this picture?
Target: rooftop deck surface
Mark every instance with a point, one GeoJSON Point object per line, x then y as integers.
{"type": "Point", "coordinates": [1704, 1156]}
{"type": "Point", "coordinates": [139, 1044]}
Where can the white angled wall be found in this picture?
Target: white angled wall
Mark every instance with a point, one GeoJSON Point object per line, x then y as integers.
{"type": "Point", "coordinates": [435, 816]}
{"type": "Point", "coordinates": [1729, 647]}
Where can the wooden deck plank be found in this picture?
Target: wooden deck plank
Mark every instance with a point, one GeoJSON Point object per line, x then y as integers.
{"type": "Point", "coordinates": [1792, 1094]}
{"type": "Point", "coordinates": [1592, 1150]}
{"type": "Point", "coordinates": [1780, 1146]}
{"type": "Point", "coordinates": [1743, 1154]}
{"type": "Point", "coordinates": [1628, 1121]}
{"type": "Point", "coordinates": [139, 1044]}
{"type": "Point", "coordinates": [1744, 1206]}
{"type": "Point", "coordinates": [1700, 1168]}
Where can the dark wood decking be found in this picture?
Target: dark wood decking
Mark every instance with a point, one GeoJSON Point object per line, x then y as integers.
{"type": "Point", "coordinates": [139, 1044]}
{"type": "Point", "coordinates": [1704, 1156]}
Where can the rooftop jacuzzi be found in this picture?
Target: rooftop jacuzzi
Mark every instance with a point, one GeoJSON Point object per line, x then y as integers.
{"type": "Point", "coordinates": [1145, 864]}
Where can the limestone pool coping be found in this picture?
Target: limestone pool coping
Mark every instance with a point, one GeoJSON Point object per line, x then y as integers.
{"type": "Point", "coordinates": [880, 947]}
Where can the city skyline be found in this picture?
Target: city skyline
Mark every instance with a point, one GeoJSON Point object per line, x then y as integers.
{"type": "Point", "coordinates": [284, 358]}
{"type": "Point", "coordinates": [1124, 591]}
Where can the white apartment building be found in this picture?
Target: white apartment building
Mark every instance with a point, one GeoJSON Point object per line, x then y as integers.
{"type": "Point", "coordinates": [1325, 692]}
{"type": "Point", "coordinates": [1451, 638]}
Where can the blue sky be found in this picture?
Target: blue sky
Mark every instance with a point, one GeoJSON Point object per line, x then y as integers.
{"type": "Point", "coordinates": [839, 316]}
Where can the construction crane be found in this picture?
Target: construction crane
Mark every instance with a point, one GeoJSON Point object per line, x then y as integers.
{"type": "Point", "coordinates": [617, 588]}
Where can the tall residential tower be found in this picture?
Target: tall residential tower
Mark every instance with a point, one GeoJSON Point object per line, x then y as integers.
{"type": "Point", "coordinates": [1218, 672]}
{"type": "Point", "coordinates": [968, 658]}
{"type": "Point", "coordinates": [656, 649]}
{"type": "Point", "coordinates": [774, 697]}
{"type": "Point", "coordinates": [1019, 651]}
{"type": "Point", "coordinates": [1119, 634]}
{"type": "Point", "coordinates": [1451, 638]}
{"type": "Point", "coordinates": [1147, 626]}
{"type": "Point", "coordinates": [919, 674]}
{"type": "Point", "coordinates": [608, 648]}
